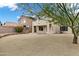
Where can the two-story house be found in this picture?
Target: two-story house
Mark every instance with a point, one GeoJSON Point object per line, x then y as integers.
{"type": "Point", "coordinates": [26, 22]}
{"type": "Point", "coordinates": [44, 26]}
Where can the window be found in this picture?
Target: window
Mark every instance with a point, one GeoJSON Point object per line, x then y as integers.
{"type": "Point", "coordinates": [24, 26]}
{"type": "Point", "coordinates": [41, 28]}
{"type": "Point", "coordinates": [64, 28]}
{"type": "Point", "coordinates": [34, 28]}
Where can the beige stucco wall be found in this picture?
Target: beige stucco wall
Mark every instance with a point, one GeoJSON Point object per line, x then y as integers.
{"type": "Point", "coordinates": [7, 29]}
{"type": "Point", "coordinates": [55, 28]}
{"type": "Point", "coordinates": [39, 22]}
{"type": "Point", "coordinates": [25, 21]}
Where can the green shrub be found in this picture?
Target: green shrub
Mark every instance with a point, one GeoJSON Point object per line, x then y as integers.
{"type": "Point", "coordinates": [19, 29]}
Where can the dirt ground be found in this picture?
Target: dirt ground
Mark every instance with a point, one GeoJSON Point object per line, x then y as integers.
{"type": "Point", "coordinates": [38, 45]}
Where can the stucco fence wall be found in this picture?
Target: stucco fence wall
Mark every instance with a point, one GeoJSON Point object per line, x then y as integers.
{"type": "Point", "coordinates": [7, 29]}
{"type": "Point", "coordinates": [11, 29]}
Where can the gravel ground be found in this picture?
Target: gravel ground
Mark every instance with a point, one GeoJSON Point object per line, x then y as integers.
{"type": "Point", "coordinates": [38, 45]}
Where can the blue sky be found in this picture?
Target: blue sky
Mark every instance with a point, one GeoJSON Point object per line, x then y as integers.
{"type": "Point", "coordinates": [8, 13]}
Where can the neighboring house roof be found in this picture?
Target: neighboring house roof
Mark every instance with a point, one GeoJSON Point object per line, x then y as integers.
{"type": "Point", "coordinates": [30, 17]}
{"type": "Point", "coordinates": [10, 24]}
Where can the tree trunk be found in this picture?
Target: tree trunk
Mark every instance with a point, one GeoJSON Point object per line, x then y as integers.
{"type": "Point", "coordinates": [75, 39]}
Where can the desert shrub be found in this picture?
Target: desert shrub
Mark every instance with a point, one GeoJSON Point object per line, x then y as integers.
{"type": "Point", "coordinates": [19, 29]}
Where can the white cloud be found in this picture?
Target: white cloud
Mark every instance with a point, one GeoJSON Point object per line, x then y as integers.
{"type": "Point", "coordinates": [12, 6]}
{"type": "Point", "coordinates": [18, 17]}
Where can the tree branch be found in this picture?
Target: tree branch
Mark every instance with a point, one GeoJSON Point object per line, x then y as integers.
{"type": "Point", "coordinates": [45, 11]}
